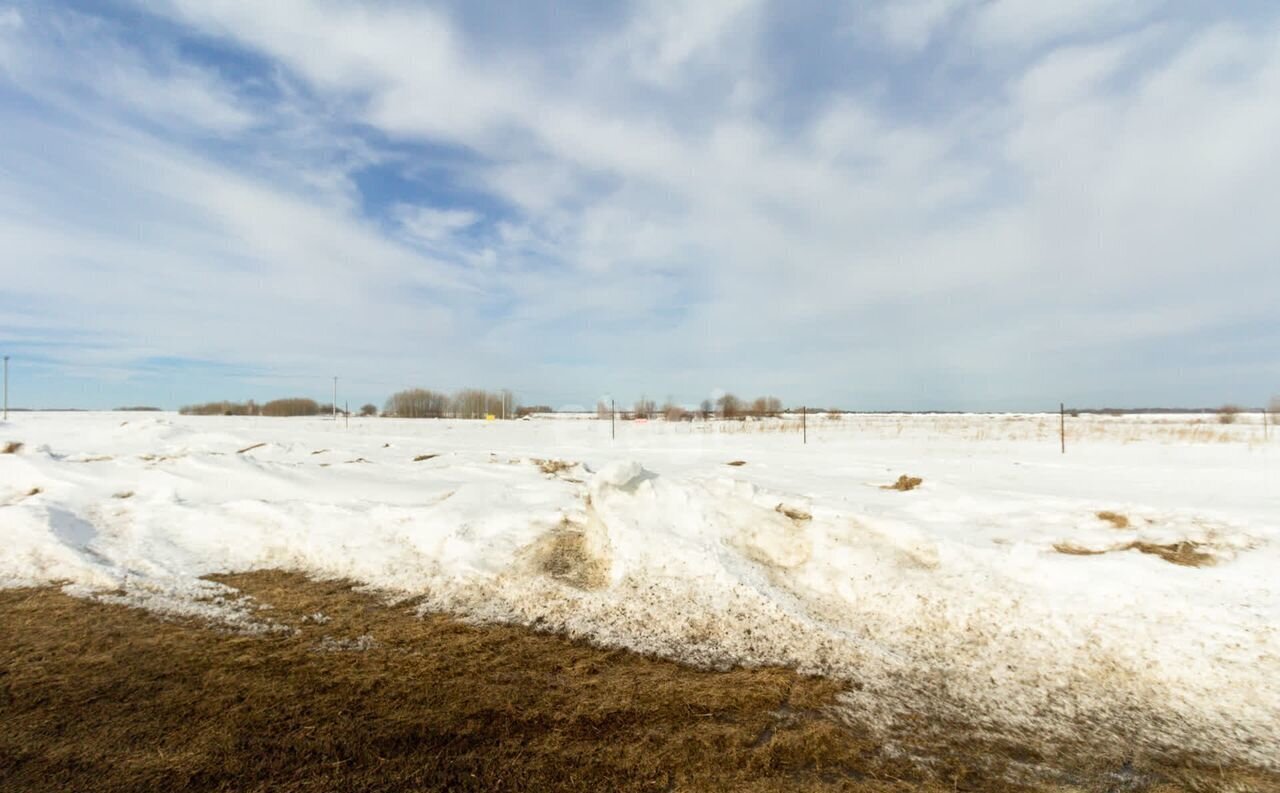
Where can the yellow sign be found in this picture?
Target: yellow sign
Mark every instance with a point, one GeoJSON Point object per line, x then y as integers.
{"type": "Point", "coordinates": [489, 417]}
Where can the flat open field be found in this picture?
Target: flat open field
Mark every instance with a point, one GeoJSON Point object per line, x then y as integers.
{"type": "Point", "coordinates": [1104, 619]}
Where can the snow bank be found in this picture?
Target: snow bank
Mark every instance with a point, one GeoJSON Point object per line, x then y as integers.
{"type": "Point", "coordinates": [993, 592]}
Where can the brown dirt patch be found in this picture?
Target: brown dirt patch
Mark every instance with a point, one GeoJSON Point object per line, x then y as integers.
{"type": "Point", "coordinates": [1115, 519]}
{"type": "Point", "coordinates": [11, 447]}
{"type": "Point", "coordinates": [736, 463]}
{"type": "Point", "coordinates": [367, 696]}
{"type": "Point", "coordinates": [423, 457]}
{"type": "Point", "coordinates": [565, 555]}
{"type": "Point", "coordinates": [904, 483]}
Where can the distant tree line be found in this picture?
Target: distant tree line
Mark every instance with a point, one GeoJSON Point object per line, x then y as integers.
{"type": "Point", "coordinates": [468, 403]}
{"type": "Point", "coordinates": [727, 406]}
{"type": "Point", "coordinates": [292, 406]}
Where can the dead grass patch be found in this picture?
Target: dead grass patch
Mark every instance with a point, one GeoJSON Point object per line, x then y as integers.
{"type": "Point", "coordinates": [123, 494]}
{"type": "Point", "coordinates": [1075, 550]}
{"type": "Point", "coordinates": [250, 448]}
{"type": "Point", "coordinates": [904, 483]}
{"type": "Point", "coordinates": [100, 698]}
{"type": "Point", "coordinates": [736, 463]}
{"type": "Point", "coordinates": [1185, 553]}
{"type": "Point", "coordinates": [423, 457]}
{"type": "Point", "coordinates": [798, 515]}
{"type": "Point", "coordinates": [1114, 518]}
{"type": "Point", "coordinates": [552, 467]}
{"type": "Point", "coordinates": [11, 447]}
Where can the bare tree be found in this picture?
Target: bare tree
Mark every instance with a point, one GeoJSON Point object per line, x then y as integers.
{"type": "Point", "coordinates": [766, 406]}
{"type": "Point", "coordinates": [297, 406]}
{"type": "Point", "coordinates": [417, 403]}
{"type": "Point", "coordinates": [369, 409]}
{"type": "Point", "coordinates": [1227, 414]}
{"type": "Point", "coordinates": [706, 408]}
{"type": "Point", "coordinates": [602, 410]}
{"type": "Point", "coordinates": [729, 406]}
{"type": "Point", "coordinates": [645, 408]}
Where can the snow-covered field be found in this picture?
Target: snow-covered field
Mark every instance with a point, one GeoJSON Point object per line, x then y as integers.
{"type": "Point", "coordinates": [992, 593]}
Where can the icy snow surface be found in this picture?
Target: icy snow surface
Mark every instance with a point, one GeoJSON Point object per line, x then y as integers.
{"type": "Point", "coordinates": [993, 592]}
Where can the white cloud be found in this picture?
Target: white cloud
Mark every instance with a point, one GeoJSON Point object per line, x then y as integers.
{"type": "Point", "coordinates": [695, 232]}
{"type": "Point", "coordinates": [434, 225]}
{"type": "Point", "coordinates": [1027, 24]}
{"type": "Point", "coordinates": [911, 25]}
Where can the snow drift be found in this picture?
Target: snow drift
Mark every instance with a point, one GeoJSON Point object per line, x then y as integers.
{"type": "Point", "coordinates": [993, 593]}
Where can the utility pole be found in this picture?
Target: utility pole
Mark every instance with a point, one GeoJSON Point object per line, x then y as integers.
{"type": "Point", "coordinates": [613, 424]}
{"type": "Point", "coordinates": [346, 414]}
{"type": "Point", "coordinates": [335, 398]}
{"type": "Point", "coordinates": [1062, 425]}
{"type": "Point", "coordinates": [804, 424]}
{"type": "Point", "coordinates": [6, 388]}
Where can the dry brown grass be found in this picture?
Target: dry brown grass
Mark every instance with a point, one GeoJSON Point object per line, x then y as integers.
{"type": "Point", "coordinates": [1075, 550]}
{"type": "Point", "coordinates": [904, 483]}
{"type": "Point", "coordinates": [250, 448]}
{"type": "Point", "coordinates": [552, 467]}
{"type": "Point", "coordinates": [424, 457]}
{"type": "Point", "coordinates": [798, 515]}
{"type": "Point", "coordinates": [736, 463]}
{"type": "Point", "coordinates": [366, 696]}
{"type": "Point", "coordinates": [1114, 518]}
{"type": "Point", "coordinates": [11, 447]}
{"type": "Point", "coordinates": [1185, 554]}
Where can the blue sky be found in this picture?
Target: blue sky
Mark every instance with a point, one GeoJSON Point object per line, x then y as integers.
{"type": "Point", "coordinates": [953, 204]}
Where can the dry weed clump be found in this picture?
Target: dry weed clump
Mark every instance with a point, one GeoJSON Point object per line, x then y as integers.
{"type": "Point", "coordinates": [736, 463]}
{"type": "Point", "coordinates": [423, 457]}
{"type": "Point", "coordinates": [250, 448]}
{"type": "Point", "coordinates": [1114, 518]}
{"type": "Point", "coordinates": [904, 483]}
{"type": "Point", "coordinates": [11, 447]}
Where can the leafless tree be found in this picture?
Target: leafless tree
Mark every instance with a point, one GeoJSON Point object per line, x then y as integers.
{"type": "Point", "coordinates": [729, 406]}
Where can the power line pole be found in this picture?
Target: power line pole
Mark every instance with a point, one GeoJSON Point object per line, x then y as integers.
{"type": "Point", "coordinates": [335, 398]}
{"type": "Point", "coordinates": [1062, 425]}
{"type": "Point", "coordinates": [6, 388]}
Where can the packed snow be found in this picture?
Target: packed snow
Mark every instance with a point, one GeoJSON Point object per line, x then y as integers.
{"type": "Point", "coordinates": [993, 592]}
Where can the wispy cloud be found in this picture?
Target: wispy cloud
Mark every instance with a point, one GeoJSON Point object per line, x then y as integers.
{"type": "Point", "coordinates": [675, 197]}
